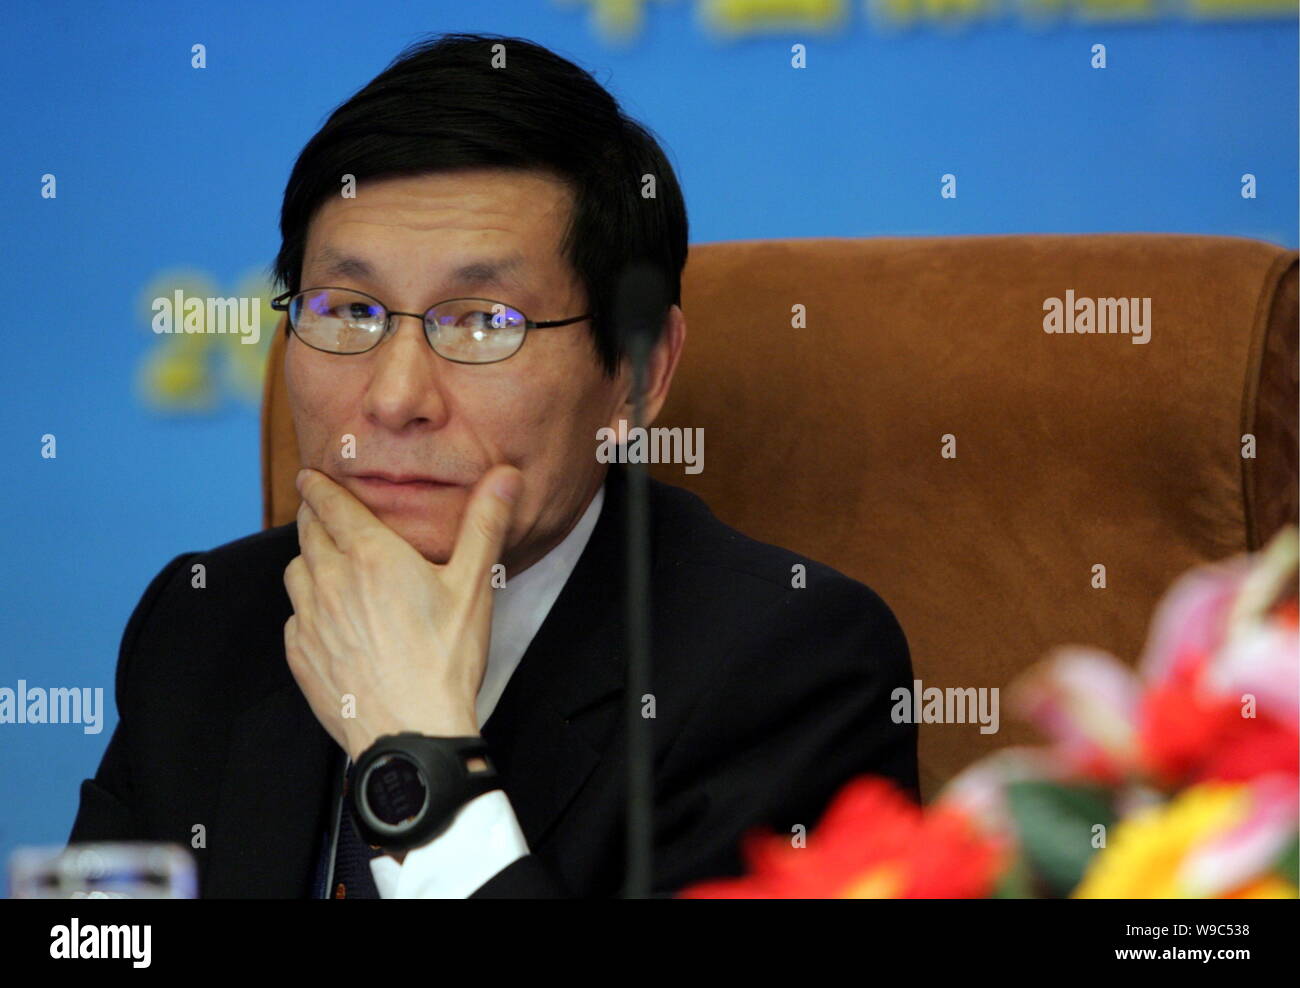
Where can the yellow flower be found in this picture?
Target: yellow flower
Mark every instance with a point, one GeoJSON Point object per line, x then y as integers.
{"type": "Point", "coordinates": [1149, 854]}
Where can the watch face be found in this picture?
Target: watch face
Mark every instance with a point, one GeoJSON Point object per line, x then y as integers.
{"type": "Point", "coordinates": [395, 790]}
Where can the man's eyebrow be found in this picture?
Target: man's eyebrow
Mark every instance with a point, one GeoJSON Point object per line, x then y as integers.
{"type": "Point", "coordinates": [488, 271]}
{"type": "Point", "coordinates": [338, 263]}
{"type": "Point", "coordinates": [471, 275]}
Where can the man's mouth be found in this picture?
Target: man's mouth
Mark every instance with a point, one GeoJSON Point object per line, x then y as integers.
{"type": "Point", "coordinates": [393, 481]}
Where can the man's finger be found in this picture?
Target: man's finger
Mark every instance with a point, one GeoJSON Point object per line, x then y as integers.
{"type": "Point", "coordinates": [297, 583]}
{"type": "Point", "coordinates": [314, 541]}
{"type": "Point", "coordinates": [483, 530]}
{"type": "Point", "coordinates": [342, 514]}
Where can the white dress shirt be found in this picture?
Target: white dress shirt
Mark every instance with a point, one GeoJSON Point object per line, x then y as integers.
{"type": "Point", "coordinates": [484, 835]}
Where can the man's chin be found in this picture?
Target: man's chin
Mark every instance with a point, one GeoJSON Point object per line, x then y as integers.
{"type": "Point", "coordinates": [433, 548]}
{"type": "Point", "coordinates": [433, 542]}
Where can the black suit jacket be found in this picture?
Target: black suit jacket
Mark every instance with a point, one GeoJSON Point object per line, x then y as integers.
{"type": "Point", "coordinates": [768, 699]}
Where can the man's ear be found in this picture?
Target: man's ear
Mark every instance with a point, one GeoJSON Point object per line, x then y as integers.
{"type": "Point", "coordinates": [659, 370]}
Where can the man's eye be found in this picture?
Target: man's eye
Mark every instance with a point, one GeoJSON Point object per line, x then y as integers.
{"type": "Point", "coordinates": [484, 319]}
{"type": "Point", "coordinates": [352, 310]}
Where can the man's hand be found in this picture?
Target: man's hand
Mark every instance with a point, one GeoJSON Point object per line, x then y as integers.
{"type": "Point", "coordinates": [373, 618]}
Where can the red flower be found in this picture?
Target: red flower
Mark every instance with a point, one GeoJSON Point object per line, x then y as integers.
{"type": "Point", "coordinates": [872, 842]}
{"type": "Point", "coordinates": [1187, 736]}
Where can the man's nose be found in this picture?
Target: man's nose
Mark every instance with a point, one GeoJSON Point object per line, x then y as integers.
{"type": "Point", "coordinates": [406, 383]}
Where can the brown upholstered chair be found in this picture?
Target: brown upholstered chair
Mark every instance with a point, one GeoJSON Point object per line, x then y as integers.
{"type": "Point", "coordinates": [1072, 450]}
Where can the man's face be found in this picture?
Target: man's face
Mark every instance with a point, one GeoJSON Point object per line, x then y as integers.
{"type": "Point", "coordinates": [413, 412]}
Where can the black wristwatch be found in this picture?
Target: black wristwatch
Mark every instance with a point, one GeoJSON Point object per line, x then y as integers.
{"type": "Point", "coordinates": [405, 788]}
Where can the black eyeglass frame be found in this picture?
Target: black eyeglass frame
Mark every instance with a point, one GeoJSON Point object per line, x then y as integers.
{"type": "Point", "coordinates": [282, 302]}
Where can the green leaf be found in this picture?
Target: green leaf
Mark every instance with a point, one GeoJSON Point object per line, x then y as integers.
{"type": "Point", "coordinates": [1288, 865]}
{"type": "Point", "coordinates": [1055, 825]}
{"type": "Point", "coordinates": [1016, 882]}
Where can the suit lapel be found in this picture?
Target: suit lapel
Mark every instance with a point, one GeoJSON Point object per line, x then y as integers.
{"type": "Point", "coordinates": [274, 800]}
{"type": "Point", "coordinates": [556, 714]}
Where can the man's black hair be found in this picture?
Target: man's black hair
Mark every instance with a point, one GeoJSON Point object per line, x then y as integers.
{"type": "Point", "coordinates": [441, 106]}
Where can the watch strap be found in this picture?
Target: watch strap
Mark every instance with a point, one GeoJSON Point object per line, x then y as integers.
{"type": "Point", "coordinates": [448, 784]}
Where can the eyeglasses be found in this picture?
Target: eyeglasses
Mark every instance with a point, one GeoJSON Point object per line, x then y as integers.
{"type": "Point", "coordinates": [463, 330]}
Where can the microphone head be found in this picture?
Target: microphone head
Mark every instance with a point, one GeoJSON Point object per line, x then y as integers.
{"type": "Point", "coordinates": [641, 303]}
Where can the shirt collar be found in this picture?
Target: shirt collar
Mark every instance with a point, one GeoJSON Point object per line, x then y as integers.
{"type": "Point", "coordinates": [520, 607]}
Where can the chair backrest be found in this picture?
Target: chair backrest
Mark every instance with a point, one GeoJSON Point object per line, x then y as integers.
{"type": "Point", "coordinates": [896, 408]}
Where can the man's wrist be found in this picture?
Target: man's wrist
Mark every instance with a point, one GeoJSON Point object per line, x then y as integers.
{"type": "Point", "coordinates": [463, 728]}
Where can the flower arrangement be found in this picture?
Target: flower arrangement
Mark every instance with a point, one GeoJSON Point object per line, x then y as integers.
{"type": "Point", "coordinates": [1179, 780]}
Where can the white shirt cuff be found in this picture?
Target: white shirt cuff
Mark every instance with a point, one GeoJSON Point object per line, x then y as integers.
{"type": "Point", "coordinates": [483, 838]}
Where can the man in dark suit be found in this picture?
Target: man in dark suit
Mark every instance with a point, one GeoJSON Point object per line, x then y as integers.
{"type": "Point", "coordinates": [452, 584]}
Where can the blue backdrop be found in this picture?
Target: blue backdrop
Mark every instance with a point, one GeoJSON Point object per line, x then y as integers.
{"type": "Point", "coordinates": [167, 175]}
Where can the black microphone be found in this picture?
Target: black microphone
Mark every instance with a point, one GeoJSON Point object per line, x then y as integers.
{"type": "Point", "coordinates": [640, 305]}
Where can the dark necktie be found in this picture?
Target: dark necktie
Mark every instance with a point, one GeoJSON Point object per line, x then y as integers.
{"type": "Point", "coordinates": [352, 876]}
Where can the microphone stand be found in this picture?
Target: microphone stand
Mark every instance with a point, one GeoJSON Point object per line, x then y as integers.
{"type": "Point", "coordinates": [640, 779]}
{"type": "Point", "coordinates": [640, 310]}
